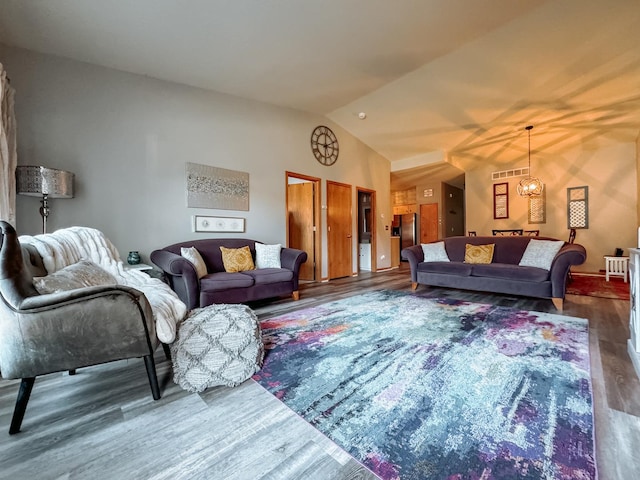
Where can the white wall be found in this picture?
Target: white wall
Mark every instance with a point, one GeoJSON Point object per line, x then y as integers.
{"type": "Point", "coordinates": [127, 139]}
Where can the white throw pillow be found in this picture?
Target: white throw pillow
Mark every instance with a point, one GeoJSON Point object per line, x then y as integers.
{"type": "Point", "coordinates": [540, 253]}
{"type": "Point", "coordinates": [268, 256]}
{"type": "Point", "coordinates": [194, 257]}
{"type": "Point", "coordinates": [435, 252]}
{"type": "Point", "coordinates": [78, 275]}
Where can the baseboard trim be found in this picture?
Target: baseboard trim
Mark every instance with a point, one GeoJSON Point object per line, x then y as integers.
{"type": "Point", "coordinates": [635, 357]}
{"type": "Point", "coordinates": [588, 274]}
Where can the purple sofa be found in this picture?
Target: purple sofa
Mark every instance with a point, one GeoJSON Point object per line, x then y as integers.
{"type": "Point", "coordinates": [503, 275]}
{"type": "Point", "coordinates": [219, 286]}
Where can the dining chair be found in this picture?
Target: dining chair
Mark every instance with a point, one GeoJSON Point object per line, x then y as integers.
{"type": "Point", "coordinates": [572, 238]}
{"type": "Point", "coordinates": [514, 232]}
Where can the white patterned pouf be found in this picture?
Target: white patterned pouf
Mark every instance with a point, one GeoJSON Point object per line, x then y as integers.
{"type": "Point", "coordinates": [217, 345]}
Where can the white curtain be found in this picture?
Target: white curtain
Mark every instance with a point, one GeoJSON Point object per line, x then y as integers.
{"type": "Point", "coordinates": [8, 153]}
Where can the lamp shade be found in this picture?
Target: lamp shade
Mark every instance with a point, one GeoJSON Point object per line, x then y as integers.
{"type": "Point", "coordinates": [530, 187]}
{"type": "Point", "coordinates": [39, 181]}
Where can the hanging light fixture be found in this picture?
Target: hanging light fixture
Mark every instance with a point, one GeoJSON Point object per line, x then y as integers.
{"type": "Point", "coordinates": [530, 186]}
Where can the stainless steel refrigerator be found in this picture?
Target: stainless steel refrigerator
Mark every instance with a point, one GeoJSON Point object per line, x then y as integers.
{"type": "Point", "coordinates": [408, 230]}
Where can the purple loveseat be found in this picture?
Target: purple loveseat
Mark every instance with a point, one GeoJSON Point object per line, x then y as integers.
{"type": "Point", "coordinates": [219, 286]}
{"type": "Point", "coordinates": [503, 275]}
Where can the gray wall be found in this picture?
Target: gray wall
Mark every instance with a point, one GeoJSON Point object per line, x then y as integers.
{"type": "Point", "coordinates": [127, 139]}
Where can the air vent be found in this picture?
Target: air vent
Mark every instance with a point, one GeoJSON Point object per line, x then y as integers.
{"type": "Point", "coordinates": [516, 172]}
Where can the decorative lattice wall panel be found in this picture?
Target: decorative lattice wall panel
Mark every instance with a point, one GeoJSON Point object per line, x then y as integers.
{"type": "Point", "coordinates": [578, 207]}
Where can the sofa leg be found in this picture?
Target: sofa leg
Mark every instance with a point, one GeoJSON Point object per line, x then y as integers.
{"type": "Point", "coordinates": [21, 404]}
{"type": "Point", "coordinates": [296, 295]}
{"type": "Point", "coordinates": [414, 285]}
{"type": "Point", "coordinates": [557, 302]}
{"type": "Point", "coordinates": [153, 377]}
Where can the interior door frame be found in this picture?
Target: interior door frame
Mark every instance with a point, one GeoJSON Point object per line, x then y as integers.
{"type": "Point", "coordinates": [317, 238]}
{"type": "Point", "coordinates": [374, 230]}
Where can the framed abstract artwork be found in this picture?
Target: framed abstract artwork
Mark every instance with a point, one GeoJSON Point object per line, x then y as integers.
{"type": "Point", "coordinates": [578, 207]}
{"type": "Point", "coordinates": [500, 200]}
{"type": "Point", "coordinates": [213, 187]}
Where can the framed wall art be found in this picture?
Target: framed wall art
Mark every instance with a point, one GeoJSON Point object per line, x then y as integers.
{"type": "Point", "coordinates": [538, 208]}
{"type": "Point", "coordinates": [213, 187]}
{"type": "Point", "coordinates": [202, 223]}
{"type": "Point", "coordinates": [500, 200]}
{"type": "Point", "coordinates": [578, 207]}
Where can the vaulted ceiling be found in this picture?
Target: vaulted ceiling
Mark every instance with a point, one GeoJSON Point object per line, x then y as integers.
{"type": "Point", "coordinates": [440, 81]}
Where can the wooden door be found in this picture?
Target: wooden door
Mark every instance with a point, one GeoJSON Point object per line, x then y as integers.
{"type": "Point", "coordinates": [300, 210]}
{"type": "Point", "coordinates": [339, 230]}
{"type": "Point", "coordinates": [428, 222]}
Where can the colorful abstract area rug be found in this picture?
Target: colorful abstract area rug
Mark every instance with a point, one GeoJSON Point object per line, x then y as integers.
{"type": "Point", "coordinates": [417, 388]}
{"type": "Point", "coordinates": [597, 286]}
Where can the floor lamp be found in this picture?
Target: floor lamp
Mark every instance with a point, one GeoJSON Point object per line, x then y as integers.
{"type": "Point", "coordinates": [46, 183]}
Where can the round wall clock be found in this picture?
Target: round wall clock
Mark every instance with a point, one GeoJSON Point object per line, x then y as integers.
{"type": "Point", "coordinates": [324, 145]}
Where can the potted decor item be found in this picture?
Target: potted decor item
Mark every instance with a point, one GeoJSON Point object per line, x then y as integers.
{"type": "Point", "coordinates": [133, 258]}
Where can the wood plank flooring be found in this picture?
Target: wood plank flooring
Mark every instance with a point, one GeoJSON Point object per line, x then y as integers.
{"type": "Point", "coordinates": [103, 423]}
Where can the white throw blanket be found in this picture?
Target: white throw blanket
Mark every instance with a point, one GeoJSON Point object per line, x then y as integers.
{"type": "Point", "coordinates": [70, 245]}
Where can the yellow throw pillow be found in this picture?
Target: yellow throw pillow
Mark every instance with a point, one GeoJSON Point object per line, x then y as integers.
{"type": "Point", "coordinates": [237, 259]}
{"type": "Point", "coordinates": [478, 253]}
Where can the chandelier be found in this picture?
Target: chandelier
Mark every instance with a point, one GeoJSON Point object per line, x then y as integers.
{"type": "Point", "coordinates": [530, 186]}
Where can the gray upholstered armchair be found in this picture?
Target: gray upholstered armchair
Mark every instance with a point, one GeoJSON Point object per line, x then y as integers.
{"type": "Point", "coordinates": [41, 334]}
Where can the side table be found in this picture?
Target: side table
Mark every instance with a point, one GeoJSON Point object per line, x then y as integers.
{"type": "Point", "coordinates": [137, 266]}
{"type": "Point", "coordinates": [148, 269]}
{"type": "Point", "coordinates": [616, 267]}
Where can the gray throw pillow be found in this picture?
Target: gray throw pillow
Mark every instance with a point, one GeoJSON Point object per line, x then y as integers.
{"type": "Point", "coordinates": [268, 256]}
{"type": "Point", "coordinates": [193, 255]}
{"type": "Point", "coordinates": [78, 275]}
{"type": "Point", "coordinates": [540, 253]}
{"type": "Point", "coordinates": [435, 252]}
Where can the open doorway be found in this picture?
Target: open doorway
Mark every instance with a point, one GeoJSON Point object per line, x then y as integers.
{"type": "Point", "coordinates": [366, 229]}
{"type": "Point", "coordinates": [303, 220]}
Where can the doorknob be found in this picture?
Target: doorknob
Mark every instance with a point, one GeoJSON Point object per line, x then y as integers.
{"type": "Point", "coordinates": [349, 236]}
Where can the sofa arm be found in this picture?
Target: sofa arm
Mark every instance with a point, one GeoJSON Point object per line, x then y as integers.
{"type": "Point", "coordinates": [570, 254]}
{"type": "Point", "coordinates": [414, 254]}
{"type": "Point", "coordinates": [291, 259]}
{"type": "Point", "coordinates": [181, 275]}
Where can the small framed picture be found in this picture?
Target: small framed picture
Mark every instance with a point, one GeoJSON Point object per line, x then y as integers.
{"type": "Point", "coordinates": [202, 223]}
{"type": "Point", "coordinates": [501, 200]}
